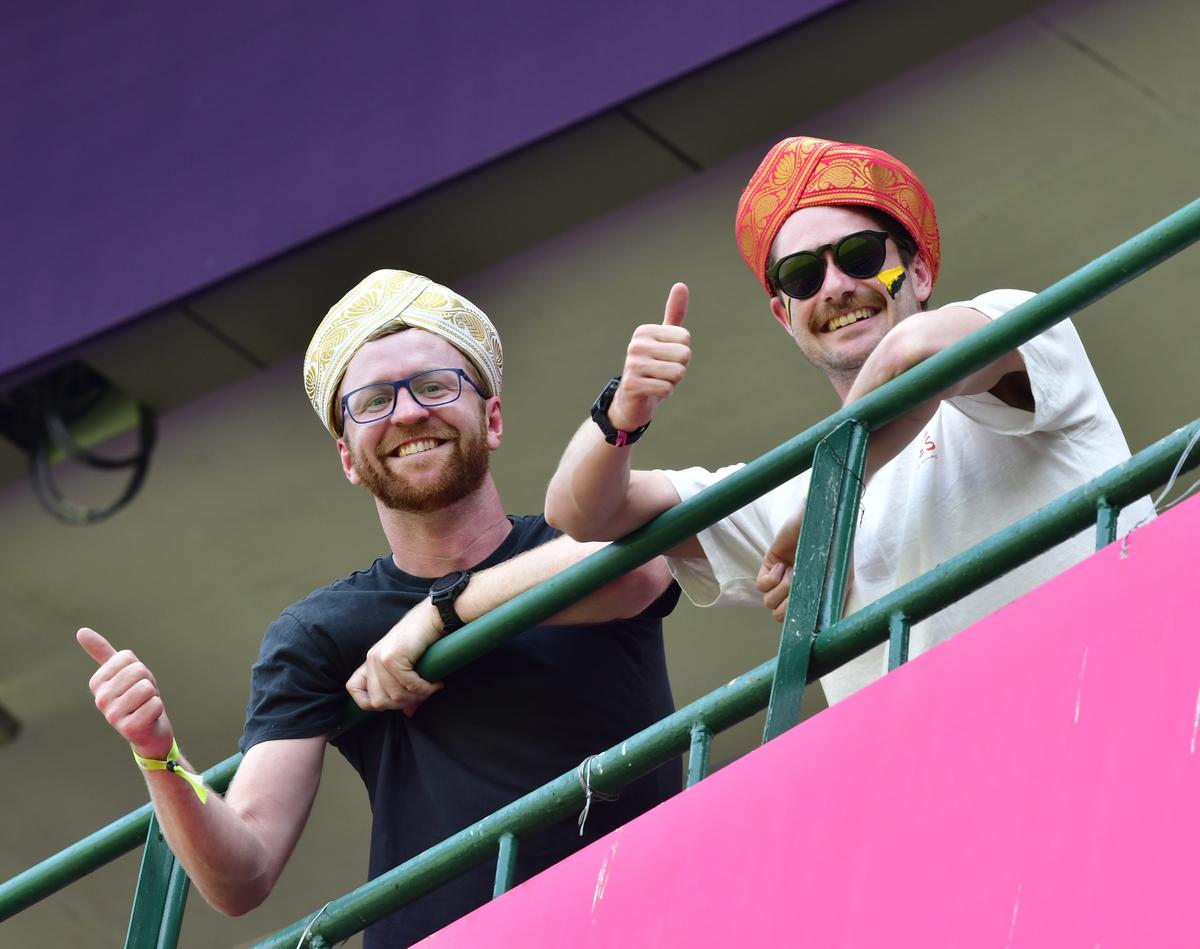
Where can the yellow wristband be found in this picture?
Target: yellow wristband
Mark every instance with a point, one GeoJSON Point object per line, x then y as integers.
{"type": "Point", "coordinates": [172, 764]}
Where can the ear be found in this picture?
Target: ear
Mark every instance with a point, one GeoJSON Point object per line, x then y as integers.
{"type": "Point", "coordinates": [347, 463]}
{"type": "Point", "coordinates": [779, 311]}
{"type": "Point", "coordinates": [495, 423]}
{"type": "Point", "coordinates": [922, 279]}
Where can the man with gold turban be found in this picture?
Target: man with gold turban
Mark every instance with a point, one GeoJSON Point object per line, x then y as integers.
{"type": "Point", "coordinates": [844, 241]}
{"type": "Point", "coordinates": [406, 375]}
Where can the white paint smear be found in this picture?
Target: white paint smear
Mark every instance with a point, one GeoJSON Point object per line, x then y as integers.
{"type": "Point", "coordinates": [1016, 906]}
{"type": "Point", "coordinates": [1079, 691]}
{"type": "Point", "coordinates": [605, 873]}
{"type": "Point", "coordinates": [1196, 723]}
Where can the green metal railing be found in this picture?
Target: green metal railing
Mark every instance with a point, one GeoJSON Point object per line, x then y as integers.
{"type": "Point", "coordinates": [814, 639]}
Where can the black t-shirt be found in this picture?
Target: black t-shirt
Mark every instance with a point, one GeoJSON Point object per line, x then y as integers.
{"type": "Point", "coordinates": [506, 724]}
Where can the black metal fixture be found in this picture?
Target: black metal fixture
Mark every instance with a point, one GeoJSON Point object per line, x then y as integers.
{"type": "Point", "coordinates": [9, 726]}
{"type": "Point", "coordinates": [44, 418]}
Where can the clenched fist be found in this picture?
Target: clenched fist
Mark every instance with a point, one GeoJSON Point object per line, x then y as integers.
{"type": "Point", "coordinates": [388, 678]}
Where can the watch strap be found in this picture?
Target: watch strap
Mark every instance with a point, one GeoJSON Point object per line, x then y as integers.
{"type": "Point", "coordinates": [614, 436]}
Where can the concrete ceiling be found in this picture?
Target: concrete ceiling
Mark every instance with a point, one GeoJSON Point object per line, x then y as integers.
{"type": "Point", "coordinates": [1047, 135]}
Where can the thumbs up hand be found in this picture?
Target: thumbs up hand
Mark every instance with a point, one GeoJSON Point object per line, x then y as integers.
{"type": "Point", "coordinates": [127, 696]}
{"type": "Point", "coordinates": [655, 363]}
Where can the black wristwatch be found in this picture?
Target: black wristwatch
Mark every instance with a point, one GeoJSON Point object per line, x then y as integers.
{"type": "Point", "coordinates": [614, 436]}
{"type": "Point", "coordinates": [444, 592]}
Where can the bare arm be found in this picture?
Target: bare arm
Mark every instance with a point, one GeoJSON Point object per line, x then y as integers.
{"type": "Point", "coordinates": [594, 494]}
{"type": "Point", "coordinates": [233, 848]}
{"type": "Point", "coordinates": [388, 680]}
{"type": "Point", "coordinates": [912, 342]}
{"type": "Point", "coordinates": [908, 344]}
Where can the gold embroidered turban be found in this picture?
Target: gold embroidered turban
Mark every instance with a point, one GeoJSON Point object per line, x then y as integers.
{"type": "Point", "coordinates": [803, 172]}
{"type": "Point", "coordinates": [387, 301]}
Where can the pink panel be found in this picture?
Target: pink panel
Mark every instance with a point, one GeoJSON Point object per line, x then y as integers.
{"type": "Point", "coordinates": [1032, 782]}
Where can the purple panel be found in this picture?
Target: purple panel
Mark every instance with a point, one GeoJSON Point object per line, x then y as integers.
{"type": "Point", "coordinates": [153, 150]}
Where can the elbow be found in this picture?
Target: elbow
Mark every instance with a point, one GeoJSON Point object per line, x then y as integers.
{"type": "Point", "coordinates": [236, 909]}
{"type": "Point", "coordinates": [636, 591]}
{"type": "Point", "coordinates": [907, 345]}
{"type": "Point", "coordinates": [234, 891]}
{"type": "Point", "coordinates": [565, 516]}
{"type": "Point", "coordinates": [554, 516]}
{"type": "Point", "coordinates": [238, 900]}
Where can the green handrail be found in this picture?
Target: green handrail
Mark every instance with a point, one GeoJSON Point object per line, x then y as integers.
{"type": "Point", "coordinates": [747, 694]}
{"type": "Point", "coordinates": [1021, 324]}
{"type": "Point", "coordinates": [94, 851]}
{"type": "Point", "coordinates": [1074, 292]}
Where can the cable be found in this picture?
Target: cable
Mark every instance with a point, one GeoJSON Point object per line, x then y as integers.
{"type": "Point", "coordinates": [54, 432]}
{"type": "Point", "coordinates": [1175, 474]}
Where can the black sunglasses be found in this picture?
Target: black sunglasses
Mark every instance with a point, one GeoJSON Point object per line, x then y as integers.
{"type": "Point", "coordinates": [801, 275]}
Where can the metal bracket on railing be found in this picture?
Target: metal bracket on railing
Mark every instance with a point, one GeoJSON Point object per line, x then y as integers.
{"type": "Point", "coordinates": [1106, 523]}
{"type": "Point", "coordinates": [506, 864]}
{"type": "Point", "coordinates": [898, 628]}
{"type": "Point", "coordinates": [160, 896]}
{"type": "Point", "coordinates": [822, 566]}
{"type": "Point", "coordinates": [701, 741]}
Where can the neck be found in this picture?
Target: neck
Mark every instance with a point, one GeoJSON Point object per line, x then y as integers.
{"type": "Point", "coordinates": [456, 537]}
{"type": "Point", "coordinates": [842, 382]}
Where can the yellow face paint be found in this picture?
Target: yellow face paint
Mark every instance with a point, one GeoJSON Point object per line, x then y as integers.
{"type": "Point", "coordinates": [892, 280]}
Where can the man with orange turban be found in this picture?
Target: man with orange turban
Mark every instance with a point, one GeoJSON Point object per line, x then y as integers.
{"type": "Point", "coordinates": [405, 375]}
{"type": "Point", "coordinates": [844, 240]}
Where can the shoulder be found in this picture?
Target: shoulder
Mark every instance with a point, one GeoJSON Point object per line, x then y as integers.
{"type": "Point", "coordinates": [360, 605]}
{"type": "Point", "coordinates": [1056, 348]}
{"type": "Point", "coordinates": [381, 576]}
{"type": "Point", "coordinates": [690, 481]}
{"type": "Point", "coordinates": [994, 303]}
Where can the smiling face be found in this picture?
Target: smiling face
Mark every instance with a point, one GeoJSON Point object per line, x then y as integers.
{"type": "Point", "coordinates": [840, 326]}
{"type": "Point", "coordinates": [420, 459]}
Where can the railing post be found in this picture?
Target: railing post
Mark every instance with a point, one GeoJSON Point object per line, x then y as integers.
{"type": "Point", "coordinates": [1106, 523]}
{"type": "Point", "coordinates": [506, 864]}
{"type": "Point", "coordinates": [898, 627]}
{"type": "Point", "coordinates": [173, 906]}
{"type": "Point", "coordinates": [159, 898]}
{"type": "Point", "coordinates": [698, 753]}
{"type": "Point", "coordinates": [822, 566]}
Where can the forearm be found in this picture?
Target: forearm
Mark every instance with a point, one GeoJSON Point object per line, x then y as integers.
{"type": "Point", "coordinates": [911, 343]}
{"type": "Point", "coordinates": [626, 596]}
{"type": "Point", "coordinates": [234, 848]}
{"type": "Point", "coordinates": [216, 845]}
{"type": "Point", "coordinates": [589, 492]}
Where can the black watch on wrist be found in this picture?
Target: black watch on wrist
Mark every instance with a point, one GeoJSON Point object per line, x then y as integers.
{"type": "Point", "coordinates": [444, 592]}
{"type": "Point", "coordinates": [614, 436]}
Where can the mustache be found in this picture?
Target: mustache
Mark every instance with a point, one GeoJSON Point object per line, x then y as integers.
{"type": "Point", "coordinates": [824, 313]}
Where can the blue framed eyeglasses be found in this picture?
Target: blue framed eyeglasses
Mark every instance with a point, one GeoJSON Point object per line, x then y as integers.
{"type": "Point", "coordinates": [431, 388]}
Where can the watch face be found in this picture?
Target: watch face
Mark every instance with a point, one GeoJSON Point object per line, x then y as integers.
{"type": "Point", "coordinates": [446, 583]}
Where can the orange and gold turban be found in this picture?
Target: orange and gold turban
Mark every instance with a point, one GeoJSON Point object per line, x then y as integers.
{"type": "Point", "coordinates": [802, 172]}
{"type": "Point", "coordinates": [384, 302]}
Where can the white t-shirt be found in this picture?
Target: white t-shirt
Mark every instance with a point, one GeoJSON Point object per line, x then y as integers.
{"type": "Point", "coordinates": [979, 465]}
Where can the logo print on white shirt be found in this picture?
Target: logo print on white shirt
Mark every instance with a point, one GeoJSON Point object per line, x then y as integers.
{"type": "Point", "coordinates": [928, 449]}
